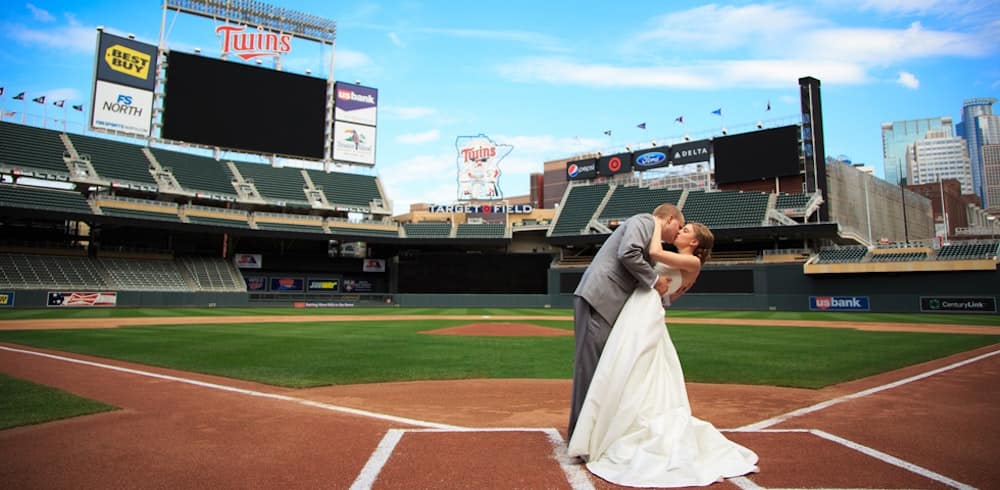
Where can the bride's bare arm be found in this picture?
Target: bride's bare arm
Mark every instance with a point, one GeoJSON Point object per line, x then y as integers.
{"type": "Point", "coordinates": [681, 262]}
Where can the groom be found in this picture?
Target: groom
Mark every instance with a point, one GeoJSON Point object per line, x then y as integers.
{"type": "Point", "coordinates": [620, 266]}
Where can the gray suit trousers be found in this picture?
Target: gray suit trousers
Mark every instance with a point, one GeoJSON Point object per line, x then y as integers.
{"type": "Point", "coordinates": [591, 332]}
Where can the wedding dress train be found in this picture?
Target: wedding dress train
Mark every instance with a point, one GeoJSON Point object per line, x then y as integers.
{"type": "Point", "coordinates": [635, 427]}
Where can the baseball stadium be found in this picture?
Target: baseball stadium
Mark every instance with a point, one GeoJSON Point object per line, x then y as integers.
{"type": "Point", "coordinates": [170, 318]}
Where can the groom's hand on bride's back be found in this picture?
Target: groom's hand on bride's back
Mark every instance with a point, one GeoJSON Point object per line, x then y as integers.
{"type": "Point", "coordinates": [662, 285]}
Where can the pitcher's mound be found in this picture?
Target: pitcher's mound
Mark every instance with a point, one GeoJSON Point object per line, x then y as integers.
{"type": "Point", "coordinates": [500, 330]}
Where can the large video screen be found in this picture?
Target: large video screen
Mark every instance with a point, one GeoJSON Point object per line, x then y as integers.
{"type": "Point", "coordinates": [231, 105]}
{"type": "Point", "coordinates": [757, 155]}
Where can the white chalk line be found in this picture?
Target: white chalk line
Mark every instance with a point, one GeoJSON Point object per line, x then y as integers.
{"type": "Point", "coordinates": [242, 391]}
{"type": "Point", "coordinates": [829, 403]}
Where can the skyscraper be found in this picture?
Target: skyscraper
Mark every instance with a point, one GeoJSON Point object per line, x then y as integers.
{"type": "Point", "coordinates": [939, 155]}
{"type": "Point", "coordinates": [979, 127]}
{"type": "Point", "coordinates": [897, 136]}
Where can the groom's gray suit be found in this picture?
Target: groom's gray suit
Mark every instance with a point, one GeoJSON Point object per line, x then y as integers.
{"type": "Point", "coordinates": [621, 265]}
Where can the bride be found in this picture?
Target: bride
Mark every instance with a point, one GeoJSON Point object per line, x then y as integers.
{"type": "Point", "coordinates": [635, 427]}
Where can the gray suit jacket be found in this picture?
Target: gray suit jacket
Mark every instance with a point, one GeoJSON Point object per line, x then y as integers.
{"type": "Point", "coordinates": [621, 265]}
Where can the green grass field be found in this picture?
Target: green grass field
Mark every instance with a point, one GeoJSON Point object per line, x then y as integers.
{"type": "Point", "coordinates": [325, 353]}
{"type": "Point", "coordinates": [26, 403]}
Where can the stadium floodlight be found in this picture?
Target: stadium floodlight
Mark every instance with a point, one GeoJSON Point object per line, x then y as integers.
{"type": "Point", "coordinates": [100, 28]}
{"type": "Point", "coordinates": [197, 50]}
{"type": "Point", "coordinates": [131, 36]}
{"type": "Point", "coordinates": [251, 12]}
{"type": "Point", "coordinates": [653, 142]}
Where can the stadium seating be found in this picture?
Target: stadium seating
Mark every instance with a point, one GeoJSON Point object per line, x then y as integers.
{"type": "Point", "coordinates": [899, 257]}
{"type": "Point", "coordinates": [216, 216]}
{"type": "Point", "coordinates": [280, 185]}
{"type": "Point", "coordinates": [27, 271]}
{"type": "Point", "coordinates": [484, 230]}
{"type": "Point", "coordinates": [347, 189]}
{"type": "Point", "coordinates": [791, 201]}
{"type": "Point", "coordinates": [44, 198]}
{"type": "Point", "coordinates": [578, 209]}
{"type": "Point", "coordinates": [288, 222]}
{"type": "Point", "coordinates": [841, 255]}
{"type": "Point", "coordinates": [28, 147]}
{"type": "Point", "coordinates": [965, 251]}
{"type": "Point", "coordinates": [144, 275]}
{"type": "Point", "coordinates": [726, 209]}
{"type": "Point", "coordinates": [113, 160]}
{"type": "Point", "coordinates": [629, 200]}
{"type": "Point", "coordinates": [427, 229]}
{"type": "Point", "coordinates": [213, 274]}
{"type": "Point", "coordinates": [196, 173]}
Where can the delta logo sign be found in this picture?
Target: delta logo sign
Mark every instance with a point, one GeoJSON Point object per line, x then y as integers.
{"type": "Point", "coordinates": [248, 44]}
{"type": "Point", "coordinates": [128, 61]}
{"type": "Point", "coordinates": [838, 303]}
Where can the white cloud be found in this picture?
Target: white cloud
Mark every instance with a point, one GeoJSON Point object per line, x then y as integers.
{"type": "Point", "coordinates": [40, 14]}
{"type": "Point", "coordinates": [888, 46]}
{"type": "Point", "coordinates": [394, 38]}
{"type": "Point", "coordinates": [908, 80]}
{"type": "Point", "coordinates": [71, 37]}
{"type": "Point", "coordinates": [705, 75]}
{"type": "Point", "coordinates": [346, 58]}
{"type": "Point", "coordinates": [415, 138]}
{"type": "Point", "coordinates": [407, 112]}
{"type": "Point", "coordinates": [713, 27]}
{"type": "Point", "coordinates": [534, 39]}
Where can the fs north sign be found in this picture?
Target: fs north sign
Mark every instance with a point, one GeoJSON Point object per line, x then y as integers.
{"type": "Point", "coordinates": [839, 303]}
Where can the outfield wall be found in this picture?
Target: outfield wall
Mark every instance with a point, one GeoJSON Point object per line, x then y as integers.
{"type": "Point", "coordinates": [751, 287]}
{"type": "Point", "coordinates": [784, 287]}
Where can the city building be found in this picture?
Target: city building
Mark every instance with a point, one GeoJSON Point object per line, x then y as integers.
{"type": "Point", "coordinates": [991, 178]}
{"type": "Point", "coordinates": [939, 155]}
{"type": "Point", "coordinates": [898, 136]}
{"type": "Point", "coordinates": [979, 127]}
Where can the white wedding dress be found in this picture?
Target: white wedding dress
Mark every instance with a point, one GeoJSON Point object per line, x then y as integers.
{"type": "Point", "coordinates": [635, 427]}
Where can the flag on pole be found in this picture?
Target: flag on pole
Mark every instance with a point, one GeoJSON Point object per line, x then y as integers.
{"type": "Point", "coordinates": [78, 107]}
{"type": "Point", "coordinates": [59, 103]}
{"type": "Point", "coordinates": [768, 105]}
{"type": "Point", "coordinates": [608, 132]}
{"type": "Point", "coordinates": [19, 96]}
{"type": "Point", "coordinates": [641, 126]}
{"type": "Point", "coordinates": [40, 100]}
{"type": "Point", "coordinates": [680, 119]}
{"type": "Point", "coordinates": [1, 91]}
{"type": "Point", "coordinates": [717, 112]}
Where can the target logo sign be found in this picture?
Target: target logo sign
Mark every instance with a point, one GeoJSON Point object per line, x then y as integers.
{"type": "Point", "coordinates": [615, 164]}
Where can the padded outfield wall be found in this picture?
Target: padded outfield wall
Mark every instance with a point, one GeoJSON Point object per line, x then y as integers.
{"type": "Point", "coordinates": [784, 287]}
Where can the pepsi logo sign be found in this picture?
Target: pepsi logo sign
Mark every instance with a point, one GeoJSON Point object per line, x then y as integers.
{"type": "Point", "coordinates": [573, 170]}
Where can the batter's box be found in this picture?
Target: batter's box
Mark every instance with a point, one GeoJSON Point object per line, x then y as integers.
{"type": "Point", "coordinates": [487, 458]}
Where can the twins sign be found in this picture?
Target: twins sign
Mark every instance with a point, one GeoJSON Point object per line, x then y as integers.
{"type": "Point", "coordinates": [479, 167]}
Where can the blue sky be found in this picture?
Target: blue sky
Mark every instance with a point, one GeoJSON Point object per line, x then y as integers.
{"type": "Point", "coordinates": [550, 78]}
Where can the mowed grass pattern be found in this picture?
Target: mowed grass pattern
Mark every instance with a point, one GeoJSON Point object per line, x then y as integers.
{"type": "Point", "coordinates": [326, 353]}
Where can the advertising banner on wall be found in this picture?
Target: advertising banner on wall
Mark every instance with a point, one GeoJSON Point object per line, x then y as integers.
{"type": "Point", "coordinates": [651, 158]}
{"type": "Point", "coordinates": [614, 164]}
{"type": "Point", "coordinates": [120, 108]}
{"type": "Point", "coordinates": [354, 103]}
{"type": "Point", "coordinates": [581, 169]}
{"type": "Point", "coordinates": [248, 261]}
{"type": "Point", "coordinates": [373, 265]}
{"type": "Point", "coordinates": [287, 284]}
{"type": "Point", "coordinates": [958, 304]}
{"type": "Point", "coordinates": [324, 284]}
{"type": "Point", "coordinates": [353, 143]}
{"type": "Point", "coordinates": [82, 299]}
{"type": "Point", "coordinates": [256, 283]}
{"type": "Point", "coordinates": [694, 151]}
{"type": "Point", "coordinates": [839, 303]}
{"type": "Point", "coordinates": [6, 299]}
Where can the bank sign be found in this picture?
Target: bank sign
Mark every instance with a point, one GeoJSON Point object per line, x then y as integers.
{"type": "Point", "coordinates": [839, 303]}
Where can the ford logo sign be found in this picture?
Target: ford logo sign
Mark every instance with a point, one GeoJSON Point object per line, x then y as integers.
{"type": "Point", "coordinates": [650, 159]}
